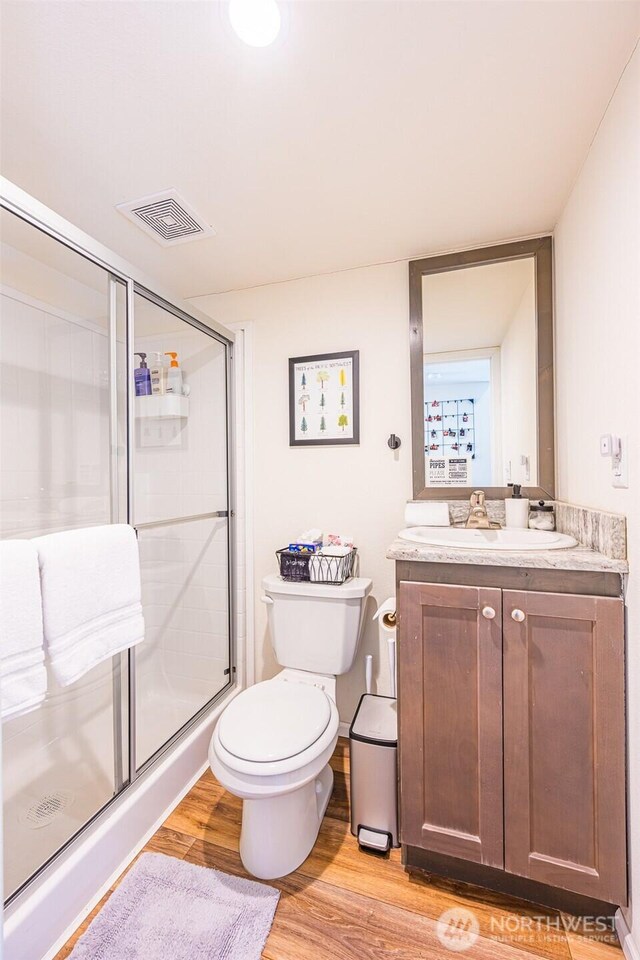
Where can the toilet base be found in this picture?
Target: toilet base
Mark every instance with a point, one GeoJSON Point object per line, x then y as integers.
{"type": "Point", "coordinates": [278, 833]}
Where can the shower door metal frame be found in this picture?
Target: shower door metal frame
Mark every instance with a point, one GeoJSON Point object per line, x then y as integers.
{"type": "Point", "coordinates": [133, 290]}
{"type": "Point", "coordinates": [16, 201]}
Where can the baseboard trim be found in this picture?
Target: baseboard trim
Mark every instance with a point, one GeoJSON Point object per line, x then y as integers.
{"type": "Point", "coordinates": [343, 731]}
{"type": "Point", "coordinates": [498, 880]}
{"type": "Point", "coordinates": [628, 944]}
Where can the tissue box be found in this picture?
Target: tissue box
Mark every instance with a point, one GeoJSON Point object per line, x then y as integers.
{"type": "Point", "coordinates": [299, 547]}
{"type": "Point", "coordinates": [338, 540]}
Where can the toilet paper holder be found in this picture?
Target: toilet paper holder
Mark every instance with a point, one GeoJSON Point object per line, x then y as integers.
{"type": "Point", "coordinates": [387, 615]}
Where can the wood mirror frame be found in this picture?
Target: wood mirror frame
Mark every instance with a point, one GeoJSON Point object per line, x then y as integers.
{"type": "Point", "coordinates": [540, 250]}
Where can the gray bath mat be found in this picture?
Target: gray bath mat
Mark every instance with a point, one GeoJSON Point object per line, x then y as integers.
{"type": "Point", "coordinates": [166, 908]}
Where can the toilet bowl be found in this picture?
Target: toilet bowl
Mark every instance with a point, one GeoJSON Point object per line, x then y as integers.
{"type": "Point", "coordinates": [292, 723]}
{"type": "Point", "coordinates": [272, 744]}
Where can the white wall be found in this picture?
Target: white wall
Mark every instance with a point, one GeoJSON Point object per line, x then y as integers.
{"type": "Point", "coordinates": [358, 489]}
{"type": "Point", "coordinates": [519, 382]}
{"type": "Point", "coordinates": [597, 250]}
{"type": "Point", "coordinates": [54, 419]}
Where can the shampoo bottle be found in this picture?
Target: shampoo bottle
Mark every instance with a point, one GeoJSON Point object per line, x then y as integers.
{"type": "Point", "coordinates": [174, 375]}
{"type": "Point", "coordinates": [158, 373]}
{"type": "Point", "coordinates": [516, 508]}
{"type": "Point", "coordinates": [142, 377]}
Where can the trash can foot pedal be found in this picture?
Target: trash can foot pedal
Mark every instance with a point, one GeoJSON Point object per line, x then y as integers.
{"type": "Point", "coordinates": [378, 840]}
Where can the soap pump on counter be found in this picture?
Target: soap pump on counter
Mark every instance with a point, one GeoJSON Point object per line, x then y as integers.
{"type": "Point", "coordinates": [516, 508]}
{"type": "Point", "coordinates": [174, 374]}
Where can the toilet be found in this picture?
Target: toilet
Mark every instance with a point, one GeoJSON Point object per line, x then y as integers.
{"type": "Point", "coordinates": [272, 744]}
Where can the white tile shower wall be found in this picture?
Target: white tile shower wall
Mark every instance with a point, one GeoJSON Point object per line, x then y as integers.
{"type": "Point", "coordinates": [184, 577]}
{"type": "Point", "coordinates": [54, 421]}
{"type": "Point", "coordinates": [180, 470]}
{"type": "Point", "coordinates": [180, 465]}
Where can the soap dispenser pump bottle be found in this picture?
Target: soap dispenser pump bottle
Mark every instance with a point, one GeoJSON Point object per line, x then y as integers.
{"type": "Point", "coordinates": [516, 508]}
{"type": "Point", "coordinates": [174, 374]}
{"type": "Point", "coordinates": [142, 377]}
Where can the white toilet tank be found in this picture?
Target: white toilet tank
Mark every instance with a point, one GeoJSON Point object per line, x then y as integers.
{"type": "Point", "coordinates": [315, 626]}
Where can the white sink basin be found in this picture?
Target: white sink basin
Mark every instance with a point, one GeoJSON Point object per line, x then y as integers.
{"type": "Point", "coordinates": [471, 539]}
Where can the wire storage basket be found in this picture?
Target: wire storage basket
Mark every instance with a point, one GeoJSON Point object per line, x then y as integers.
{"type": "Point", "coordinates": [316, 567]}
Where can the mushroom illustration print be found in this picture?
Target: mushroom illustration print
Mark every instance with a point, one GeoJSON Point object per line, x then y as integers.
{"type": "Point", "coordinates": [322, 378]}
{"type": "Point", "coordinates": [343, 421]}
{"type": "Point", "coordinates": [342, 377]}
{"type": "Point", "coordinates": [323, 401]}
{"type": "Point", "coordinates": [304, 425]}
{"type": "Point", "coordinates": [342, 400]}
{"type": "Point", "coordinates": [303, 401]}
{"type": "Point", "coordinates": [323, 425]}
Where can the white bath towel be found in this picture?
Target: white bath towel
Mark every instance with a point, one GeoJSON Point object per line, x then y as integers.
{"type": "Point", "coordinates": [23, 676]}
{"type": "Point", "coordinates": [90, 597]}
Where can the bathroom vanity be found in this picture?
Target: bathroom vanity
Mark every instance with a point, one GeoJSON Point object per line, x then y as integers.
{"type": "Point", "coordinates": [511, 720]}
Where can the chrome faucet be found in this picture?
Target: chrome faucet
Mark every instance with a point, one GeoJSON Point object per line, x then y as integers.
{"type": "Point", "coordinates": [478, 517]}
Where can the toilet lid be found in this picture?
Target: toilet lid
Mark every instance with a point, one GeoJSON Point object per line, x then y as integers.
{"type": "Point", "coordinates": [274, 721]}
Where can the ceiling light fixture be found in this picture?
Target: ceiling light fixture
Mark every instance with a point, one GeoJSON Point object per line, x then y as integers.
{"type": "Point", "coordinates": [257, 22]}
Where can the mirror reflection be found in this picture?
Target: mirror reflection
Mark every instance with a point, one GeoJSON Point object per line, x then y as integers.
{"type": "Point", "coordinates": [480, 375]}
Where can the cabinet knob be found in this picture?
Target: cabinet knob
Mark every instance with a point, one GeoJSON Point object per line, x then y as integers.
{"type": "Point", "coordinates": [517, 615]}
{"type": "Point", "coordinates": [488, 613]}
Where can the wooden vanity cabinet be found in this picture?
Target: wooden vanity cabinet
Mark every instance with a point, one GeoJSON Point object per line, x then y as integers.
{"type": "Point", "coordinates": [511, 710]}
{"type": "Point", "coordinates": [450, 679]}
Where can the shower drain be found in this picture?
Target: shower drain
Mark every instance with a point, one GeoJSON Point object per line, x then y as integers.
{"type": "Point", "coordinates": [46, 809]}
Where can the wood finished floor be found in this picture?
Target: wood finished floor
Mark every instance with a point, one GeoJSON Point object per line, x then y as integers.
{"type": "Point", "coordinates": [344, 904]}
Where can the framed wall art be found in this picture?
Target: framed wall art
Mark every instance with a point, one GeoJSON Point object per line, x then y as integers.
{"type": "Point", "coordinates": [324, 399]}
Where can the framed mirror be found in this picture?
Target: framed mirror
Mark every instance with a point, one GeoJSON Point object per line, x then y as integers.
{"type": "Point", "coordinates": [482, 397]}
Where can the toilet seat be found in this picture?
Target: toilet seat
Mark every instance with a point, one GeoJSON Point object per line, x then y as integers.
{"type": "Point", "coordinates": [274, 721]}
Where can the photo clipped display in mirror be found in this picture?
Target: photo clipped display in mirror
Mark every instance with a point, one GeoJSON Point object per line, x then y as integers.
{"type": "Point", "coordinates": [480, 375]}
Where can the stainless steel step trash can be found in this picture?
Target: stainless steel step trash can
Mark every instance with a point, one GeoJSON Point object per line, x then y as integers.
{"type": "Point", "coordinates": [373, 751]}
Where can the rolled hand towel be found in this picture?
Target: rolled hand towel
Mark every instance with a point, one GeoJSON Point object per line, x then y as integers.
{"type": "Point", "coordinates": [91, 597]}
{"type": "Point", "coordinates": [23, 676]}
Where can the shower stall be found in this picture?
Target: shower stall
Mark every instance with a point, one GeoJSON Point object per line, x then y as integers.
{"type": "Point", "coordinates": [79, 448]}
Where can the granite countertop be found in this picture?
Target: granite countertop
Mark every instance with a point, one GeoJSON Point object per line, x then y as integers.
{"type": "Point", "coordinates": [572, 558]}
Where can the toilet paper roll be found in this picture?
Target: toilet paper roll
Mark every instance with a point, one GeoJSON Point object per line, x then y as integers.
{"type": "Point", "coordinates": [426, 513]}
{"type": "Point", "coordinates": [386, 615]}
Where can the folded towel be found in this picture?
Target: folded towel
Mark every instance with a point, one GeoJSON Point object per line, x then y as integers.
{"type": "Point", "coordinates": [91, 597]}
{"type": "Point", "coordinates": [22, 672]}
{"type": "Point", "coordinates": [426, 513]}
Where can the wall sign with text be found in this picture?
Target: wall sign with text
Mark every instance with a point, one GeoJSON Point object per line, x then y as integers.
{"type": "Point", "coordinates": [324, 399]}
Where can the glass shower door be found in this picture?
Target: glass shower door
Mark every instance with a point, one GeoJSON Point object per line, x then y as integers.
{"type": "Point", "coordinates": [180, 510]}
{"type": "Point", "coordinates": [62, 422]}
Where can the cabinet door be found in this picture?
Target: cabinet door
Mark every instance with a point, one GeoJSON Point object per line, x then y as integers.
{"type": "Point", "coordinates": [564, 742]}
{"type": "Point", "coordinates": [450, 714]}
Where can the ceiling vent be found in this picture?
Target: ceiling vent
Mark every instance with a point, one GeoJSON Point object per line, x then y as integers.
{"type": "Point", "coordinates": [167, 218]}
